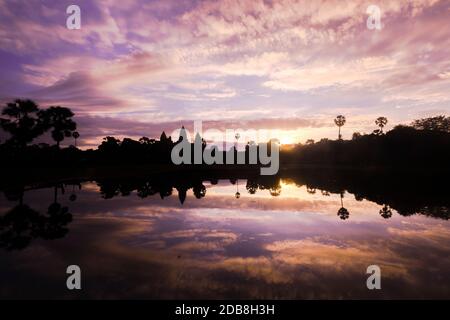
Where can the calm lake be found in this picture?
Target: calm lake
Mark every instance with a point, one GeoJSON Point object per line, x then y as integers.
{"type": "Point", "coordinates": [282, 239]}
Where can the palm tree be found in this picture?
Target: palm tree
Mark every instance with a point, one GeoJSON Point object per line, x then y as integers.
{"type": "Point", "coordinates": [381, 122]}
{"type": "Point", "coordinates": [386, 212]}
{"type": "Point", "coordinates": [21, 122]}
{"type": "Point", "coordinates": [237, 195]}
{"type": "Point", "coordinates": [340, 121]}
{"type": "Point", "coordinates": [73, 196]}
{"type": "Point", "coordinates": [75, 135]}
{"type": "Point", "coordinates": [53, 225]}
{"type": "Point", "coordinates": [59, 119]}
{"type": "Point", "coordinates": [342, 212]}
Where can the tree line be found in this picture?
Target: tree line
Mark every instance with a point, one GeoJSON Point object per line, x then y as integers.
{"type": "Point", "coordinates": [423, 143]}
{"type": "Point", "coordinates": [439, 123]}
{"type": "Point", "coordinates": [24, 121]}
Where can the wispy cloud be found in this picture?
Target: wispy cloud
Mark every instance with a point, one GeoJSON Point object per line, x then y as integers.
{"type": "Point", "coordinates": [165, 60]}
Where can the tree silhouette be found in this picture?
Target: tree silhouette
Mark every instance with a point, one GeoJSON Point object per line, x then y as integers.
{"type": "Point", "coordinates": [237, 195]}
{"type": "Point", "coordinates": [340, 121]}
{"type": "Point", "coordinates": [21, 122]}
{"type": "Point", "coordinates": [386, 212]}
{"type": "Point", "coordinates": [146, 189]}
{"type": "Point", "coordinates": [59, 120]}
{"type": "Point", "coordinates": [54, 225]}
{"type": "Point", "coordinates": [147, 141]}
{"type": "Point", "coordinates": [356, 135]}
{"type": "Point", "coordinates": [75, 135]}
{"type": "Point", "coordinates": [381, 122]}
{"type": "Point", "coordinates": [199, 190]}
{"type": "Point", "coordinates": [22, 224]}
{"type": "Point", "coordinates": [73, 196]}
{"type": "Point", "coordinates": [342, 212]}
{"type": "Point", "coordinates": [251, 186]}
{"type": "Point", "coordinates": [438, 123]}
{"type": "Point", "coordinates": [109, 145]}
{"type": "Point", "coordinates": [18, 227]}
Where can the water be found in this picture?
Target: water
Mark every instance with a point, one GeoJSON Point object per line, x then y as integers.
{"type": "Point", "coordinates": [284, 241]}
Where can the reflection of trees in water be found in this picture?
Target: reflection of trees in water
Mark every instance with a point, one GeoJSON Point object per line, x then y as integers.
{"type": "Point", "coordinates": [275, 191]}
{"type": "Point", "coordinates": [199, 191]}
{"type": "Point", "coordinates": [403, 196]}
{"type": "Point", "coordinates": [270, 183]}
{"type": "Point", "coordinates": [252, 186]}
{"type": "Point", "coordinates": [58, 217]}
{"type": "Point", "coordinates": [436, 211]}
{"type": "Point", "coordinates": [73, 196]}
{"type": "Point", "coordinates": [146, 189]}
{"type": "Point", "coordinates": [18, 227]}
{"type": "Point", "coordinates": [406, 193]}
{"type": "Point", "coordinates": [237, 195]}
{"type": "Point", "coordinates": [386, 212]}
{"type": "Point", "coordinates": [343, 213]}
{"type": "Point", "coordinates": [22, 224]}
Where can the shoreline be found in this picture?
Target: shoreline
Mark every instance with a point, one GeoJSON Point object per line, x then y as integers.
{"type": "Point", "coordinates": [33, 176]}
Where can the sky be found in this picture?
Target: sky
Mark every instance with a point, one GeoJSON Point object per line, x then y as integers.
{"type": "Point", "coordinates": [258, 246]}
{"type": "Point", "coordinates": [137, 67]}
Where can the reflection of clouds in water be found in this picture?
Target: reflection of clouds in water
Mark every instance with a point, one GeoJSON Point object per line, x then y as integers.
{"type": "Point", "coordinates": [345, 257]}
{"type": "Point", "coordinates": [283, 247]}
{"type": "Point", "coordinates": [306, 263]}
{"type": "Point", "coordinates": [434, 234]}
{"type": "Point", "coordinates": [326, 256]}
